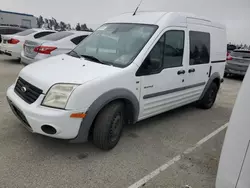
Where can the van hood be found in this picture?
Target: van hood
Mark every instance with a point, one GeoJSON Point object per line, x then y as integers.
{"type": "Point", "coordinates": [64, 69]}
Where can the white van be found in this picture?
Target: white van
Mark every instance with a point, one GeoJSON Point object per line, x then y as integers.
{"type": "Point", "coordinates": [131, 68]}
{"type": "Point", "coordinates": [234, 166]}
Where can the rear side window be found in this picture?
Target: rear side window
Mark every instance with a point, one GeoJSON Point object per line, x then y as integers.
{"type": "Point", "coordinates": [199, 47]}
{"type": "Point", "coordinates": [42, 34]}
{"type": "Point", "coordinates": [26, 32]}
{"type": "Point", "coordinates": [79, 39]}
{"type": "Point", "coordinates": [57, 36]}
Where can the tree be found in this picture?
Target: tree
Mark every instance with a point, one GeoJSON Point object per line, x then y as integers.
{"type": "Point", "coordinates": [78, 27]}
{"type": "Point", "coordinates": [46, 23]}
{"type": "Point", "coordinates": [90, 29]}
{"type": "Point", "coordinates": [68, 26]}
{"type": "Point", "coordinates": [50, 23]}
{"type": "Point", "coordinates": [84, 27]}
{"type": "Point", "coordinates": [55, 24]}
{"type": "Point", "coordinates": [62, 26]}
{"type": "Point", "coordinates": [40, 21]}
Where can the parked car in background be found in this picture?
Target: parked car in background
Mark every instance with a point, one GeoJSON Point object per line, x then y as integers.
{"type": "Point", "coordinates": [51, 45]}
{"type": "Point", "coordinates": [9, 30]}
{"type": "Point", "coordinates": [237, 62]}
{"type": "Point", "coordinates": [234, 165]}
{"type": "Point", "coordinates": [12, 45]}
{"type": "Point", "coordinates": [131, 68]}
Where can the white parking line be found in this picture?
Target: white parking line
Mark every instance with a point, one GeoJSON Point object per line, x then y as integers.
{"type": "Point", "coordinates": [162, 168]}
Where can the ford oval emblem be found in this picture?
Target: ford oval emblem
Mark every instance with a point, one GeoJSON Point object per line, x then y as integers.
{"type": "Point", "coordinates": [24, 89]}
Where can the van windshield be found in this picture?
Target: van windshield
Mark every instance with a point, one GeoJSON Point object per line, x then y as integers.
{"type": "Point", "coordinates": [116, 44]}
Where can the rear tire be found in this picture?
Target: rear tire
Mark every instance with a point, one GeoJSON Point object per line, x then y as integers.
{"type": "Point", "coordinates": [209, 98]}
{"type": "Point", "coordinates": [108, 126]}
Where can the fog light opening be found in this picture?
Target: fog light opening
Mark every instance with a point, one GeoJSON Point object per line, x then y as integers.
{"type": "Point", "coordinates": [48, 129]}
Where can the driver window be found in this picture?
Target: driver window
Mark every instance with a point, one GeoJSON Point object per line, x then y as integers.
{"type": "Point", "coordinates": [167, 53]}
{"type": "Point", "coordinates": [153, 62]}
{"type": "Point", "coordinates": [174, 48]}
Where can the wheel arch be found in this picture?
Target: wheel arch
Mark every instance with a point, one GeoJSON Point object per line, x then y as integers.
{"type": "Point", "coordinates": [131, 108]}
{"type": "Point", "coordinates": [214, 78]}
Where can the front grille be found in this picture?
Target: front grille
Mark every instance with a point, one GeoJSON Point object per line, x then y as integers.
{"type": "Point", "coordinates": [27, 91]}
{"type": "Point", "coordinates": [19, 115]}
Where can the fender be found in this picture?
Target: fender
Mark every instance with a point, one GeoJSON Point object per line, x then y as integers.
{"type": "Point", "coordinates": [209, 82]}
{"type": "Point", "coordinates": [98, 104]}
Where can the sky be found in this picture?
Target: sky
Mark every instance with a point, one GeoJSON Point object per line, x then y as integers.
{"type": "Point", "coordinates": [235, 14]}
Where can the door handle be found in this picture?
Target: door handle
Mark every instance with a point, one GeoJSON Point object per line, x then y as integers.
{"type": "Point", "coordinates": [181, 72]}
{"type": "Point", "coordinates": [191, 70]}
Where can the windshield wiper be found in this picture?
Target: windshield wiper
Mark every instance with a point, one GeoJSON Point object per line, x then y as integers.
{"type": "Point", "coordinates": [94, 59]}
{"type": "Point", "coordinates": [75, 54]}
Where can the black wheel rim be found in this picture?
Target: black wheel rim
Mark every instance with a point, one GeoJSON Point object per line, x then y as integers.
{"type": "Point", "coordinates": [116, 127]}
{"type": "Point", "coordinates": [211, 97]}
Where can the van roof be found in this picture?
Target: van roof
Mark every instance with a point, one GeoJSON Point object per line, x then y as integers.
{"type": "Point", "coordinates": [168, 18]}
{"type": "Point", "coordinates": [80, 32]}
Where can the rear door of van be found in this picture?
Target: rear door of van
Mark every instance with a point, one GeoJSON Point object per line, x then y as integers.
{"type": "Point", "coordinates": [199, 57]}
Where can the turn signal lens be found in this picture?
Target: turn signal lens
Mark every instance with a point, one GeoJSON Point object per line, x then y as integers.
{"type": "Point", "coordinates": [78, 115]}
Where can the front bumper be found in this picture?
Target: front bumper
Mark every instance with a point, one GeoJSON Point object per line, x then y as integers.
{"type": "Point", "coordinates": [26, 60]}
{"type": "Point", "coordinates": [34, 116]}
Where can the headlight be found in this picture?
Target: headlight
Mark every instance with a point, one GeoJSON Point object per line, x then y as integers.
{"type": "Point", "coordinates": [58, 95]}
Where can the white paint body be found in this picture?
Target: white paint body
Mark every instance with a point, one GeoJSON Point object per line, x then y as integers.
{"type": "Point", "coordinates": [96, 79]}
{"type": "Point", "coordinates": [15, 49]}
{"type": "Point", "coordinates": [234, 166]}
{"type": "Point", "coordinates": [63, 46]}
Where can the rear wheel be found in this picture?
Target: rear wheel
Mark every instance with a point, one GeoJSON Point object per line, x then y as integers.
{"type": "Point", "coordinates": [108, 126]}
{"type": "Point", "coordinates": [209, 98]}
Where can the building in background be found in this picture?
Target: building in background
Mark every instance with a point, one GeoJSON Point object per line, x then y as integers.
{"type": "Point", "coordinates": [17, 19]}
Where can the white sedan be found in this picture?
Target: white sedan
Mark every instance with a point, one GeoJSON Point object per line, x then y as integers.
{"type": "Point", "coordinates": [51, 45]}
{"type": "Point", "coordinates": [12, 45]}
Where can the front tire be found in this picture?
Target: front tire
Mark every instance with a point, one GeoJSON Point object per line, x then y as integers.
{"type": "Point", "coordinates": [108, 126]}
{"type": "Point", "coordinates": [209, 98]}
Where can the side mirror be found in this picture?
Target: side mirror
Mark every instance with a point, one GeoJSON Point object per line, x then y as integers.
{"type": "Point", "coordinates": [154, 64]}
{"type": "Point", "coordinates": [149, 66]}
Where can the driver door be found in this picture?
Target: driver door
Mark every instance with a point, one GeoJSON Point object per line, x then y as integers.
{"type": "Point", "coordinates": [162, 75]}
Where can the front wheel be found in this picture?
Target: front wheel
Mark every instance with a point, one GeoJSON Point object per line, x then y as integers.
{"type": "Point", "coordinates": [108, 126]}
{"type": "Point", "coordinates": [209, 98]}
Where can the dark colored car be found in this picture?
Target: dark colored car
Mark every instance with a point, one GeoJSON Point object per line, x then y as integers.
{"type": "Point", "coordinates": [8, 30]}
{"type": "Point", "coordinates": [230, 48]}
{"type": "Point", "coordinates": [237, 62]}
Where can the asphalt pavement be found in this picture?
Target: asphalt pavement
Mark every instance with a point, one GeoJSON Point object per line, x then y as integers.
{"type": "Point", "coordinates": [31, 160]}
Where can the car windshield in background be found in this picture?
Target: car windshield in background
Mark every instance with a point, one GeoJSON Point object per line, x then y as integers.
{"type": "Point", "coordinates": [57, 36]}
{"type": "Point", "coordinates": [116, 44]}
{"type": "Point", "coordinates": [241, 53]}
{"type": "Point", "coordinates": [26, 32]}
{"type": "Point", "coordinates": [231, 47]}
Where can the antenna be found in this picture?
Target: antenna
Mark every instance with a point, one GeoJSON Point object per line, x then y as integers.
{"type": "Point", "coordinates": [137, 8]}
